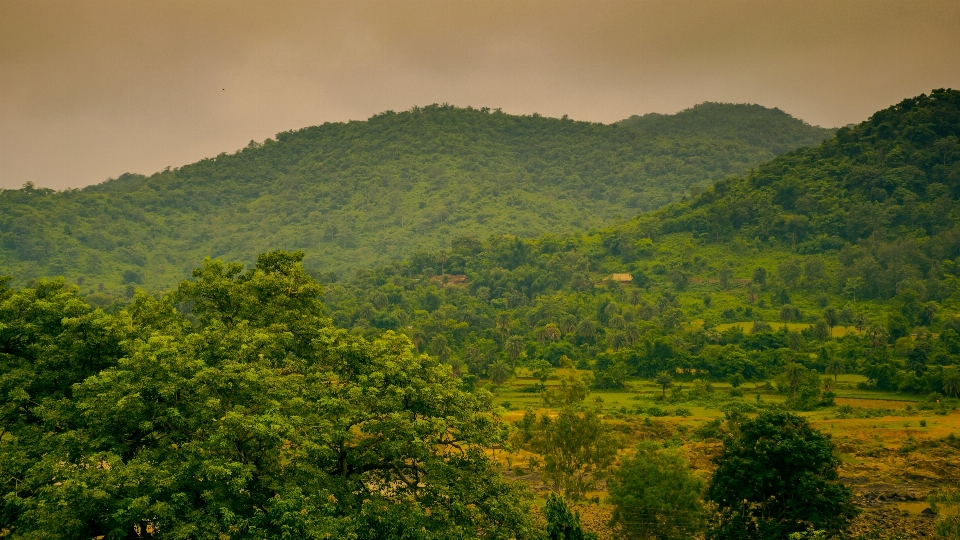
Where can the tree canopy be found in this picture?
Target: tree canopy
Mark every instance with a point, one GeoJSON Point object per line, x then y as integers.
{"type": "Point", "coordinates": [775, 476]}
{"type": "Point", "coordinates": [363, 193]}
{"type": "Point", "coordinates": [244, 414]}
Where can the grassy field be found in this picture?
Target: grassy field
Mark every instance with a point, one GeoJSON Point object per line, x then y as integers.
{"type": "Point", "coordinates": [898, 451]}
{"type": "Point", "coordinates": [838, 331]}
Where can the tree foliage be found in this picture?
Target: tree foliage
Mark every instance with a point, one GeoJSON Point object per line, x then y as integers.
{"type": "Point", "coordinates": [250, 415]}
{"type": "Point", "coordinates": [358, 194]}
{"type": "Point", "coordinates": [777, 475]}
{"type": "Point", "coordinates": [655, 495]}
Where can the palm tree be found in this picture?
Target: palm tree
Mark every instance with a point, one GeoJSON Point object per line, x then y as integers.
{"type": "Point", "coordinates": [616, 321]}
{"type": "Point", "coordinates": [632, 333]}
{"type": "Point", "coordinates": [611, 309]}
{"type": "Point", "coordinates": [366, 311]}
{"type": "Point", "coordinates": [820, 331]}
{"type": "Point", "coordinates": [664, 380]}
{"type": "Point", "coordinates": [587, 329]}
{"type": "Point", "coordinates": [568, 324]}
{"type": "Point", "coordinates": [514, 347]}
{"type": "Point", "coordinates": [795, 340]}
{"type": "Point", "coordinates": [502, 321]}
{"type": "Point", "coordinates": [877, 335]}
{"type": "Point", "coordinates": [442, 259]}
{"type": "Point", "coordinates": [831, 318]}
{"type": "Point", "coordinates": [379, 300]}
{"type": "Point", "coordinates": [418, 339]}
{"type": "Point", "coordinates": [499, 372]}
{"type": "Point", "coordinates": [860, 322]}
{"type": "Point", "coordinates": [540, 334]}
{"type": "Point", "coordinates": [440, 347]}
{"type": "Point", "coordinates": [787, 312]}
{"type": "Point", "coordinates": [618, 340]}
{"type": "Point", "coordinates": [457, 365]}
{"type": "Point", "coordinates": [552, 332]}
{"type": "Point", "coordinates": [835, 368]}
{"type": "Point", "coordinates": [794, 374]}
{"type": "Point", "coordinates": [951, 382]}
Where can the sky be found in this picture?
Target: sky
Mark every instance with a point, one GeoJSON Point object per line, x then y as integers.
{"type": "Point", "coordinates": [92, 89]}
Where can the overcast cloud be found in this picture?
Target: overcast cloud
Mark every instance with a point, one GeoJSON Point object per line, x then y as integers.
{"type": "Point", "coordinates": [92, 89]}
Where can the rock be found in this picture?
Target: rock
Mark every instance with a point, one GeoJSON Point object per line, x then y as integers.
{"type": "Point", "coordinates": [928, 511]}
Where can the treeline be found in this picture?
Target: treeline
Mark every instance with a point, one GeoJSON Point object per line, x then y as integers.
{"type": "Point", "coordinates": [357, 194]}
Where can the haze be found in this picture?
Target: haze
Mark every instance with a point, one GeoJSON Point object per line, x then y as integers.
{"type": "Point", "coordinates": [89, 90]}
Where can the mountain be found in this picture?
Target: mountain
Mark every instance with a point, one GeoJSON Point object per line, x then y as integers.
{"type": "Point", "coordinates": [861, 232]}
{"type": "Point", "coordinates": [772, 129]}
{"type": "Point", "coordinates": [363, 193]}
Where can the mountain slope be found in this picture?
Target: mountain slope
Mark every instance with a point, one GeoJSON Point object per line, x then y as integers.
{"type": "Point", "coordinates": [861, 232]}
{"type": "Point", "coordinates": [360, 193]}
{"type": "Point", "coordinates": [757, 125]}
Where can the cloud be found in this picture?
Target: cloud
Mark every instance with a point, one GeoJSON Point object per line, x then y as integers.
{"type": "Point", "coordinates": [91, 89]}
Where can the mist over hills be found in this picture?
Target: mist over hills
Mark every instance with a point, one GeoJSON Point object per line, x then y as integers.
{"type": "Point", "coordinates": [368, 192]}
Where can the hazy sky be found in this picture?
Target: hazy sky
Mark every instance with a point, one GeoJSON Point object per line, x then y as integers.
{"type": "Point", "coordinates": [91, 89]}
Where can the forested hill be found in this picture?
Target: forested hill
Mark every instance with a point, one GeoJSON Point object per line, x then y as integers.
{"type": "Point", "coordinates": [893, 178]}
{"type": "Point", "coordinates": [757, 125]}
{"type": "Point", "coordinates": [861, 231]}
{"type": "Point", "coordinates": [361, 193]}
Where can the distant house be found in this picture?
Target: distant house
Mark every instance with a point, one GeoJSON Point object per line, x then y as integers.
{"type": "Point", "coordinates": [620, 278]}
{"type": "Point", "coordinates": [450, 280]}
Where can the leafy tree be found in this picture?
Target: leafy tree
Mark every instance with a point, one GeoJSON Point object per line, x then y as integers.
{"type": "Point", "coordinates": [562, 524]}
{"type": "Point", "coordinates": [541, 370]}
{"type": "Point", "coordinates": [254, 416]}
{"type": "Point", "coordinates": [569, 393]}
{"type": "Point", "coordinates": [951, 382]}
{"type": "Point", "coordinates": [664, 381]}
{"type": "Point", "coordinates": [577, 449]}
{"type": "Point", "coordinates": [760, 276]}
{"type": "Point", "coordinates": [775, 476]}
{"type": "Point", "coordinates": [787, 314]}
{"type": "Point", "coordinates": [655, 495]}
{"type": "Point", "coordinates": [854, 284]}
{"type": "Point", "coordinates": [789, 272]}
{"type": "Point", "coordinates": [794, 373]}
{"type": "Point", "coordinates": [835, 367]}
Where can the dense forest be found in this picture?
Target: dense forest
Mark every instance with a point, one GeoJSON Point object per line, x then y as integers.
{"type": "Point", "coordinates": [264, 400]}
{"type": "Point", "coordinates": [356, 194]}
{"type": "Point", "coordinates": [860, 231]}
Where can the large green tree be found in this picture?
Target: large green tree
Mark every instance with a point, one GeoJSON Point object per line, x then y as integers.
{"type": "Point", "coordinates": [250, 416]}
{"type": "Point", "coordinates": [777, 475]}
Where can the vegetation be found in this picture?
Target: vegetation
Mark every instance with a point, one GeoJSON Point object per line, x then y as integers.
{"type": "Point", "coordinates": [777, 476]}
{"type": "Point", "coordinates": [656, 496]}
{"type": "Point", "coordinates": [357, 194]}
{"type": "Point", "coordinates": [851, 300]}
{"type": "Point", "coordinates": [263, 401]}
{"type": "Point", "coordinates": [562, 524]}
{"type": "Point", "coordinates": [247, 415]}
